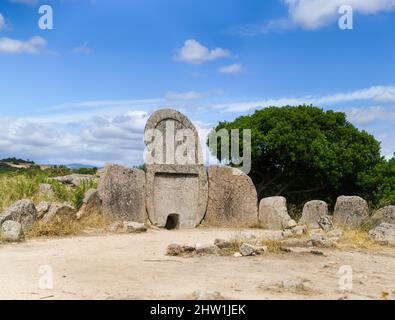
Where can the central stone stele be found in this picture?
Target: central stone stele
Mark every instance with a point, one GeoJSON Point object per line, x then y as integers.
{"type": "Point", "coordinates": [176, 179]}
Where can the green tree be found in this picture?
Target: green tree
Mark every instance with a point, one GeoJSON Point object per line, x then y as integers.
{"type": "Point", "coordinates": [379, 183]}
{"type": "Point", "coordinates": [303, 152]}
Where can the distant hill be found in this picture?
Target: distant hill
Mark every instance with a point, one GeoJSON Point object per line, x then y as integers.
{"type": "Point", "coordinates": [76, 166]}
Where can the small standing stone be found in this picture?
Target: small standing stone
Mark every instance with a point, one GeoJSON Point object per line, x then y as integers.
{"type": "Point", "coordinates": [273, 213]}
{"type": "Point", "coordinates": [350, 211]}
{"type": "Point", "coordinates": [312, 212]}
{"type": "Point", "coordinates": [247, 249]}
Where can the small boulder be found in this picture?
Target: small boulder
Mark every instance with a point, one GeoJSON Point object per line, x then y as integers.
{"type": "Point", "coordinates": [91, 204]}
{"type": "Point", "coordinates": [325, 223]}
{"type": "Point", "coordinates": [273, 213]}
{"type": "Point", "coordinates": [11, 231]}
{"type": "Point", "coordinates": [206, 249]}
{"type": "Point", "coordinates": [247, 249]}
{"type": "Point", "coordinates": [202, 295]}
{"type": "Point", "coordinates": [134, 227]}
{"type": "Point", "coordinates": [384, 233]}
{"type": "Point", "coordinates": [350, 211]}
{"type": "Point", "coordinates": [22, 211]}
{"type": "Point", "coordinates": [222, 244]}
{"type": "Point", "coordinates": [60, 212]}
{"type": "Point", "coordinates": [42, 208]}
{"type": "Point", "coordinates": [312, 212]}
{"type": "Point", "coordinates": [320, 240]}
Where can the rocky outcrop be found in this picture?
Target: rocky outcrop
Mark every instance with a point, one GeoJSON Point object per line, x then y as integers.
{"type": "Point", "coordinates": [122, 191]}
{"type": "Point", "coordinates": [232, 198]}
{"type": "Point", "coordinates": [273, 213]}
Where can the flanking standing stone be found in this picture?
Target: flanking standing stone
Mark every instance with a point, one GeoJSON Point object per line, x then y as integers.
{"type": "Point", "coordinates": [11, 231]}
{"type": "Point", "coordinates": [22, 211]}
{"type": "Point", "coordinates": [273, 213]}
{"type": "Point", "coordinates": [232, 198]}
{"type": "Point", "coordinates": [176, 179]}
{"type": "Point", "coordinates": [122, 192]}
{"type": "Point", "coordinates": [350, 211]}
{"type": "Point", "coordinates": [313, 211]}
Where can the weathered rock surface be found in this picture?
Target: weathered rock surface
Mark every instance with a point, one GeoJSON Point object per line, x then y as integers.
{"type": "Point", "coordinates": [325, 223]}
{"type": "Point", "coordinates": [273, 213]}
{"type": "Point", "coordinates": [134, 227]}
{"type": "Point", "coordinates": [91, 204]}
{"type": "Point", "coordinates": [383, 215]}
{"type": "Point", "coordinates": [22, 211]}
{"type": "Point", "coordinates": [384, 233]}
{"type": "Point", "coordinates": [75, 179]}
{"type": "Point", "coordinates": [42, 208]}
{"type": "Point", "coordinates": [206, 249]}
{"type": "Point", "coordinates": [11, 231]}
{"type": "Point", "coordinates": [122, 191]}
{"type": "Point", "coordinates": [60, 212]}
{"type": "Point", "coordinates": [312, 212]}
{"type": "Point", "coordinates": [350, 211]}
{"type": "Point", "coordinates": [232, 198]}
{"type": "Point", "coordinates": [247, 249]}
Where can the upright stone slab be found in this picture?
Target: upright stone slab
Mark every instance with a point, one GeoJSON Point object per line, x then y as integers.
{"type": "Point", "coordinates": [176, 179]}
{"type": "Point", "coordinates": [350, 211]}
{"type": "Point", "coordinates": [122, 191]}
{"type": "Point", "coordinates": [313, 211]}
{"type": "Point", "coordinates": [273, 213]}
{"type": "Point", "coordinates": [232, 198]}
{"type": "Point", "coordinates": [383, 215]}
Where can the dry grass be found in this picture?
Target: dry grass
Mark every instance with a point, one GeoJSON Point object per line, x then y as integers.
{"type": "Point", "coordinates": [357, 239]}
{"type": "Point", "coordinates": [68, 227]}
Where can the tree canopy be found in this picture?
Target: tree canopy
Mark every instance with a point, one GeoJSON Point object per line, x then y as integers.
{"type": "Point", "coordinates": [304, 152]}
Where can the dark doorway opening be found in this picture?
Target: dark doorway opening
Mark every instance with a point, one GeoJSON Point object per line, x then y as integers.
{"type": "Point", "coordinates": [173, 221]}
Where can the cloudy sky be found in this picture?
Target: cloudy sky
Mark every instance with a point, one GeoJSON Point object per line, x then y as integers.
{"type": "Point", "coordinates": [81, 93]}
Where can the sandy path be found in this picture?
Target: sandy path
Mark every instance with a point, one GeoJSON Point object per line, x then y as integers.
{"type": "Point", "coordinates": [134, 266]}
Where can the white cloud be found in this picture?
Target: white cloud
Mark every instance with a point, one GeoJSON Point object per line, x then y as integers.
{"type": "Point", "coordinates": [190, 95]}
{"type": "Point", "coordinates": [195, 53]}
{"type": "Point", "coordinates": [375, 93]}
{"type": "Point", "coordinates": [32, 46]}
{"type": "Point", "coordinates": [32, 2]}
{"type": "Point", "coordinates": [368, 115]}
{"type": "Point", "coordinates": [231, 69]}
{"type": "Point", "coordinates": [313, 14]}
{"type": "Point", "coordinates": [250, 30]}
{"type": "Point", "coordinates": [2, 21]}
{"type": "Point", "coordinates": [94, 140]}
{"type": "Point", "coordinates": [84, 49]}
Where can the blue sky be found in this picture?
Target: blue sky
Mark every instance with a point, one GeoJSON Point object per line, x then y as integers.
{"type": "Point", "coordinates": [83, 91]}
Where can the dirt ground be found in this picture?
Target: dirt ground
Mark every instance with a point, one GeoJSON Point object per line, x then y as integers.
{"type": "Point", "coordinates": [134, 266]}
